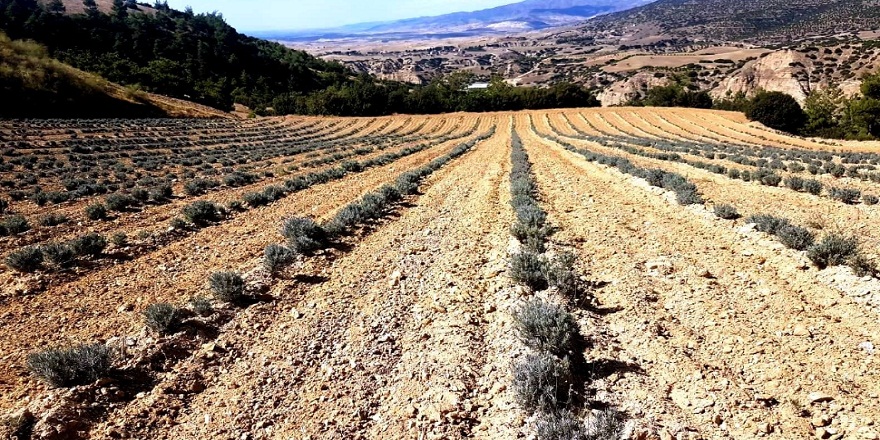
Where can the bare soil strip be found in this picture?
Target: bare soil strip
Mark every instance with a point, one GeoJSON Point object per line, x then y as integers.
{"type": "Point", "coordinates": [707, 337]}
{"type": "Point", "coordinates": [108, 302]}
{"type": "Point", "coordinates": [389, 344]}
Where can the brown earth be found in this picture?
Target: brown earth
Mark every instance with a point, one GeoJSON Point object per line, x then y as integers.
{"type": "Point", "coordinates": [706, 329]}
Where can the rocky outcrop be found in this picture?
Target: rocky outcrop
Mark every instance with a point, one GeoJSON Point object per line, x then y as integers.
{"type": "Point", "coordinates": [774, 72]}
{"type": "Point", "coordinates": [628, 89]}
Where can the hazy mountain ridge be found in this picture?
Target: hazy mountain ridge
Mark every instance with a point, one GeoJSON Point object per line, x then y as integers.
{"type": "Point", "coordinates": [525, 16]}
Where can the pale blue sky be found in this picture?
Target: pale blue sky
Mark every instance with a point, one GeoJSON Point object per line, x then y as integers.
{"type": "Point", "coordinates": [251, 15]}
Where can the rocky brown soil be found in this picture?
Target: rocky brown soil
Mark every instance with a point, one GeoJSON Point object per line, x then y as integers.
{"type": "Point", "coordinates": [705, 328]}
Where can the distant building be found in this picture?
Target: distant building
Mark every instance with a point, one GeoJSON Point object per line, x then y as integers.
{"type": "Point", "coordinates": [478, 86]}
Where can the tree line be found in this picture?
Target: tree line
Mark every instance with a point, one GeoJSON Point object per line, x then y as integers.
{"type": "Point", "coordinates": [199, 57]}
{"type": "Point", "coordinates": [826, 112]}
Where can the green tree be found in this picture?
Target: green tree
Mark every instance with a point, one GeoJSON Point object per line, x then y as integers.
{"type": "Point", "coordinates": [863, 116]}
{"type": "Point", "coordinates": [825, 109]}
{"type": "Point", "coordinates": [871, 86]}
{"type": "Point", "coordinates": [120, 9]}
{"type": "Point", "coordinates": [56, 7]}
{"type": "Point", "coordinates": [777, 110]}
{"type": "Point", "coordinates": [91, 7]}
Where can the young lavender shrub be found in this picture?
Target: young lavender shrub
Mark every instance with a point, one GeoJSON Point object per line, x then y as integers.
{"type": "Point", "coordinates": [726, 212]}
{"type": "Point", "coordinates": [68, 367]}
{"type": "Point", "coordinates": [162, 318]}
{"type": "Point", "coordinates": [541, 382]}
{"type": "Point", "coordinates": [833, 250]}
{"type": "Point", "coordinates": [527, 268]}
{"type": "Point", "coordinates": [227, 286]}
{"type": "Point", "coordinates": [276, 257]}
{"type": "Point", "coordinates": [546, 327]}
{"type": "Point", "coordinates": [303, 235]}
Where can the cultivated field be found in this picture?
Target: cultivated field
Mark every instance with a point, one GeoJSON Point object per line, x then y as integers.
{"type": "Point", "coordinates": [654, 273]}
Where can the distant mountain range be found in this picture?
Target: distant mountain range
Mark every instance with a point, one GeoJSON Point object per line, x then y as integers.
{"type": "Point", "coordinates": [527, 15]}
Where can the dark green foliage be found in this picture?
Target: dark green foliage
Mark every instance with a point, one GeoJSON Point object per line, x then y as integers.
{"type": "Point", "coordinates": [60, 255]}
{"type": "Point", "coordinates": [303, 234]}
{"type": "Point", "coordinates": [16, 224]}
{"type": "Point", "coordinates": [96, 211]}
{"type": "Point", "coordinates": [201, 212]}
{"type": "Point", "coordinates": [255, 199]}
{"type": "Point", "coordinates": [79, 365]}
{"type": "Point", "coordinates": [675, 95]}
{"type": "Point", "coordinates": [795, 183]}
{"type": "Point", "coordinates": [119, 202]}
{"type": "Point", "coordinates": [795, 237]}
{"type": "Point", "coordinates": [771, 180]}
{"type": "Point", "coordinates": [541, 382]}
{"type": "Point", "coordinates": [777, 110]}
{"type": "Point", "coordinates": [846, 195]}
{"type": "Point", "coordinates": [162, 318]}
{"type": "Point", "coordinates": [178, 223]}
{"type": "Point", "coordinates": [768, 223]}
{"type": "Point", "coordinates": [547, 327]}
{"type": "Point", "coordinates": [813, 187]}
{"type": "Point", "coordinates": [277, 257]}
{"type": "Point", "coordinates": [119, 239]}
{"type": "Point", "coordinates": [726, 212]}
{"type": "Point", "coordinates": [27, 259]}
{"type": "Point", "coordinates": [4, 205]}
{"type": "Point", "coordinates": [89, 245]}
{"type": "Point", "coordinates": [50, 220]}
{"type": "Point", "coordinates": [527, 268]}
{"type": "Point", "coordinates": [161, 193]}
{"type": "Point", "coordinates": [227, 286]}
{"type": "Point", "coordinates": [201, 305]}
{"type": "Point", "coordinates": [833, 250]}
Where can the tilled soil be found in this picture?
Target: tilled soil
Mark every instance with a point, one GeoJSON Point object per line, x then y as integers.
{"type": "Point", "coordinates": [704, 334]}
{"type": "Point", "coordinates": [703, 330]}
{"type": "Point", "coordinates": [391, 345]}
{"type": "Point", "coordinates": [108, 302]}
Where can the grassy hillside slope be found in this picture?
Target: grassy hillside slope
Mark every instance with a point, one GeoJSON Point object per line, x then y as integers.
{"type": "Point", "coordinates": [34, 85]}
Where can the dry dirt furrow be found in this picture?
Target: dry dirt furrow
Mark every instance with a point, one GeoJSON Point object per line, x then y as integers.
{"type": "Point", "coordinates": [714, 339]}
{"type": "Point", "coordinates": [155, 218]}
{"type": "Point", "coordinates": [391, 343]}
{"type": "Point", "coordinates": [753, 198]}
{"type": "Point", "coordinates": [108, 302]}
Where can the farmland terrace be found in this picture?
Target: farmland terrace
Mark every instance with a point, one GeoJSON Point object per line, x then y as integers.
{"type": "Point", "coordinates": [366, 278]}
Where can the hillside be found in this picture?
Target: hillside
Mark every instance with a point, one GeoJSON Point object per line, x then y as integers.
{"type": "Point", "coordinates": [36, 86]}
{"type": "Point", "coordinates": [764, 21]}
{"type": "Point", "coordinates": [175, 53]}
{"type": "Point", "coordinates": [517, 17]}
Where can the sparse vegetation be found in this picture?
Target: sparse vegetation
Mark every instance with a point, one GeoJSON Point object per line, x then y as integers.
{"type": "Point", "coordinates": [833, 250]}
{"type": "Point", "coordinates": [162, 318]}
{"type": "Point", "coordinates": [726, 212]}
{"type": "Point", "coordinates": [66, 367]}
{"type": "Point", "coordinates": [227, 286]}
{"type": "Point", "coordinates": [27, 259]}
{"type": "Point", "coordinates": [547, 327]}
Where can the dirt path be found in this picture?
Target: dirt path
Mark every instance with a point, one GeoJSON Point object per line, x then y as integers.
{"type": "Point", "coordinates": [704, 336]}
{"type": "Point", "coordinates": [392, 344]}
{"type": "Point", "coordinates": [108, 302]}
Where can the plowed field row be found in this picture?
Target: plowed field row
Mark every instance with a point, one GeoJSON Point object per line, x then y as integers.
{"type": "Point", "coordinates": [408, 325]}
